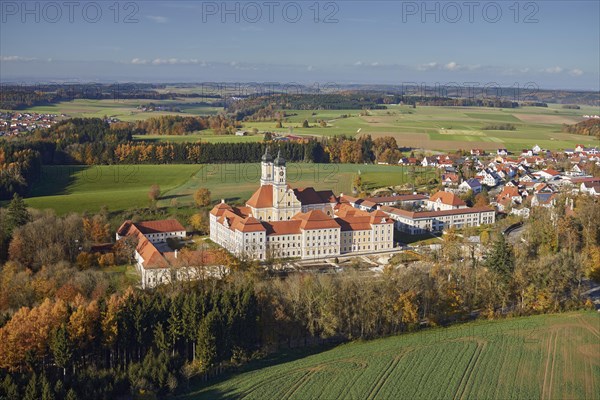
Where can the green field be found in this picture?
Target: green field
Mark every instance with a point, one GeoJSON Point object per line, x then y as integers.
{"type": "Point", "coordinates": [78, 188]}
{"type": "Point", "coordinates": [205, 136]}
{"type": "Point", "coordinates": [120, 187]}
{"type": "Point", "coordinates": [237, 182]}
{"type": "Point", "coordinates": [446, 128]}
{"type": "Point", "coordinates": [125, 110]}
{"type": "Point", "coordinates": [540, 357]}
{"type": "Point", "coordinates": [432, 128]}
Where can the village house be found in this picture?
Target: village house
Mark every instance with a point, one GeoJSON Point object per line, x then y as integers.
{"type": "Point", "coordinates": [471, 184]}
{"type": "Point", "coordinates": [591, 188]}
{"type": "Point", "coordinates": [509, 197]}
{"type": "Point", "coordinates": [441, 201]}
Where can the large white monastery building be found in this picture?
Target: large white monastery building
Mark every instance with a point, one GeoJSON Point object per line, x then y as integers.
{"type": "Point", "coordinates": [280, 222]}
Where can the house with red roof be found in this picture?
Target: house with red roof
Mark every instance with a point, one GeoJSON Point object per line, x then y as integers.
{"type": "Point", "coordinates": [445, 201]}
{"type": "Point", "coordinates": [156, 262]}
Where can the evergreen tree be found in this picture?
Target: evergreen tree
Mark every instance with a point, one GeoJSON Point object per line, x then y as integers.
{"type": "Point", "coordinates": [71, 395]}
{"type": "Point", "coordinates": [160, 338]}
{"type": "Point", "coordinates": [10, 389]}
{"type": "Point", "coordinates": [47, 393]}
{"type": "Point", "coordinates": [500, 258]}
{"type": "Point", "coordinates": [31, 390]}
{"type": "Point", "coordinates": [62, 348]}
{"type": "Point", "coordinates": [17, 213]}
{"type": "Point", "coordinates": [206, 350]}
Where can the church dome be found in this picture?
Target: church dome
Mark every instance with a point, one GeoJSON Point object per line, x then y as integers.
{"type": "Point", "coordinates": [279, 161]}
{"type": "Point", "coordinates": [267, 156]}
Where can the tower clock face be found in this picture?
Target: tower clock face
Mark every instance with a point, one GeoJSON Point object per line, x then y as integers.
{"type": "Point", "coordinates": [280, 173]}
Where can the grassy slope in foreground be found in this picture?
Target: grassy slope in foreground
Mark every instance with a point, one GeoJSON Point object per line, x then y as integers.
{"type": "Point", "coordinates": [548, 356]}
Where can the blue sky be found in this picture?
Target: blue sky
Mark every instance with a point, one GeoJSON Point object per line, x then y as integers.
{"type": "Point", "coordinates": [554, 44]}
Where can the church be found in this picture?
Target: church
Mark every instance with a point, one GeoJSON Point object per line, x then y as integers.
{"type": "Point", "coordinates": [279, 221]}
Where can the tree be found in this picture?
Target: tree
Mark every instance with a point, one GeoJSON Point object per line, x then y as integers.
{"type": "Point", "coordinates": [198, 222]}
{"type": "Point", "coordinates": [71, 395]}
{"type": "Point", "coordinates": [268, 137]}
{"type": "Point", "coordinates": [97, 228]}
{"type": "Point", "coordinates": [62, 348]}
{"type": "Point", "coordinates": [305, 124]}
{"type": "Point", "coordinates": [154, 193]}
{"type": "Point", "coordinates": [124, 249]}
{"type": "Point", "coordinates": [202, 197]}
{"type": "Point", "coordinates": [500, 257]}
{"type": "Point", "coordinates": [206, 351]}
{"type": "Point", "coordinates": [31, 390]}
{"type": "Point", "coordinates": [10, 388]}
{"type": "Point", "coordinates": [47, 393]}
{"type": "Point", "coordinates": [481, 200]}
{"type": "Point", "coordinates": [17, 213]}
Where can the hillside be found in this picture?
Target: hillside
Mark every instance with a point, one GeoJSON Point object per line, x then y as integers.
{"type": "Point", "coordinates": [548, 357]}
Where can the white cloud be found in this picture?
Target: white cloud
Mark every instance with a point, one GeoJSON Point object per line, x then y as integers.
{"type": "Point", "coordinates": [428, 66]}
{"type": "Point", "coordinates": [310, 68]}
{"type": "Point", "coordinates": [174, 61]}
{"type": "Point", "coordinates": [451, 66]}
{"type": "Point", "coordinates": [358, 63]}
{"type": "Point", "coordinates": [576, 72]}
{"type": "Point", "coordinates": [167, 61]}
{"type": "Point", "coordinates": [553, 70]}
{"type": "Point", "coordinates": [158, 19]}
{"type": "Point", "coordinates": [16, 59]}
{"type": "Point", "coordinates": [374, 64]}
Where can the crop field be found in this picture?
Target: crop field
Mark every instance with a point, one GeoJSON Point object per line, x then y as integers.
{"type": "Point", "coordinates": [539, 357]}
{"type": "Point", "coordinates": [125, 110]}
{"type": "Point", "coordinates": [424, 127]}
{"type": "Point", "coordinates": [445, 128]}
{"type": "Point", "coordinates": [119, 187]}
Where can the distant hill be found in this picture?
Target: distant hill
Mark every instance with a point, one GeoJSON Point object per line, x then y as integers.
{"type": "Point", "coordinates": [589, 127]}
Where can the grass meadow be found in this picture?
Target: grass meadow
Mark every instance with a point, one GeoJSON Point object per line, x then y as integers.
{"type": "Point", "coordinates": [122, 187]}
{"type": "Point", "coordinates": [541, 357]}
{"type": "Point", "coordinates": [125, 110]}
{"type": "Point", "coordinates": [445, 128]}
{"type": "Point", "coordinates": [119, 187]}
{"type": "Point", "coordinates": [424, 127]}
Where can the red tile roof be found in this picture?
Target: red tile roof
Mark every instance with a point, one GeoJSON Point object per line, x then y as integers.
{"type": "Point", "coordinates": [161, 226]}
{"type": "Point", "coordinates": [262, 198]}
{"type": "Point", "coordinates": [353, 219]}
{"type": "Point", "coordinates": [241, 223]}
{"type": "Point", "coordinates": [315, 219]}
{"type": "Point", "coordinates": [291, 227]}
{"type": "Point", "coordinates": [448, 198]}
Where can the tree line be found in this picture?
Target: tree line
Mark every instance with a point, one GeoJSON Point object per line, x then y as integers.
{"type": "Point", "coordinates": [18, 97]}
{"type": "Point", "coordinates": [588, 127]}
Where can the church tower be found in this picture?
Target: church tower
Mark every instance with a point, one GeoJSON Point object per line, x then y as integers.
{"type": "Point", "coordinates": [279, 187]}
{"type": "Point", "coordinates": [279, 170]}
{"type": "Point", "coordinates": [266, 176]}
